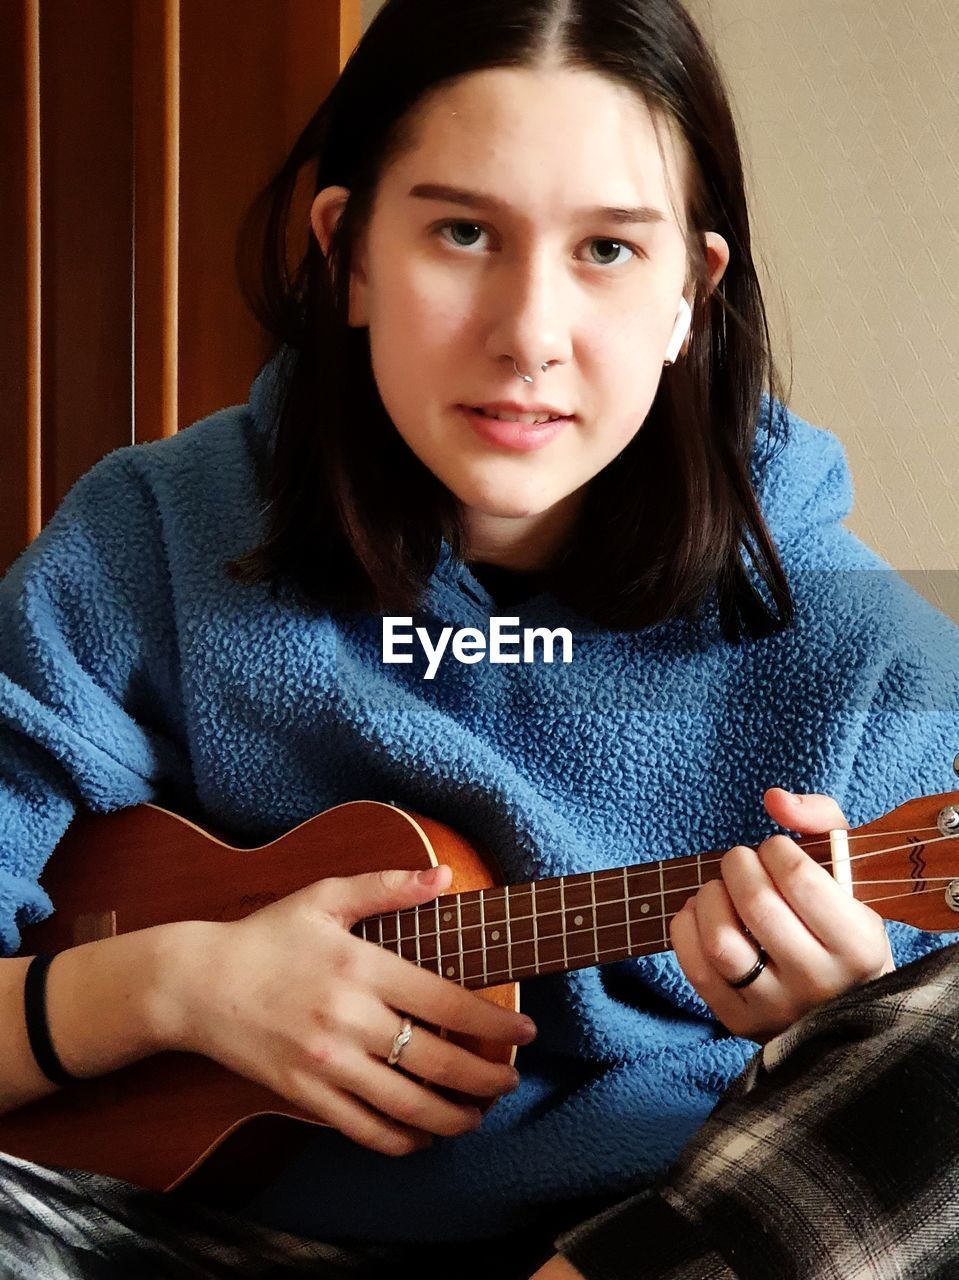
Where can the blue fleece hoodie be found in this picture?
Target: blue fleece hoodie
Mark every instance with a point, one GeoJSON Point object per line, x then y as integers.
{"type": "Point", "coordinates": [131, 667]}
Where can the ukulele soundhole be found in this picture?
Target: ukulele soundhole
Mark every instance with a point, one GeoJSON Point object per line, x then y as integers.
{"type": "Point", "coordinates": [952, 895]}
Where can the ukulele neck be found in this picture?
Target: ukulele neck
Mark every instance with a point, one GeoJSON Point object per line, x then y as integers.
{"type": "Point", "coordinates": [511, 932]}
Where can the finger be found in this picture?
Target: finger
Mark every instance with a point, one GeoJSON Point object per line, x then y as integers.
{"type": "Point", "coordinates": [443, 1003]}
{"type": "Point", "coordinates": [352, 898]}
{"type": "Point", "coordinates": [731, 1007]}
{"type": "Point", "coordinates": [809, 814]}
{"type": "Point", "coordinates": [845, 928]}
{"type": "Point", "coordinates": [394, 1093]}
{"type": "Point", "coordinates": [720, 934]}
{"type": "Point", "coordinates": [436, 1060]}
{"type": "Point", "coordinates": [345, 1112]}
{"type": "Point", "coordinates": [767, 915]}
{"type": "Point", "coordinates": [761, 906]}
{"type": "Point", "coordinates": [361, 1017]}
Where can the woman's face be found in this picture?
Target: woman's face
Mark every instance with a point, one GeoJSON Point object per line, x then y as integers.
{"type": "Point", "coordinates": [454, 290]}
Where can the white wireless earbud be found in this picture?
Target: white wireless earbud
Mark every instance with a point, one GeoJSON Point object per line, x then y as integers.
{"type": "Point", "coordinates": [684, 318]}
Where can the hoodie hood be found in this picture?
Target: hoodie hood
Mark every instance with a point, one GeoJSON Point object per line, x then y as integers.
{"type": "Point", "coordinates": [800, 474]}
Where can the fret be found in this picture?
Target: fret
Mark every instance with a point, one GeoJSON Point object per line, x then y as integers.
{"type": "Point", "coordinates": [562, 920]}
{"type": "Point", "coordinates": [482, 901]}
{"type": "Point", "coordinates": [459, 934]}
{"type": "Point", "coordinates": [448, 970]}
{"type": "Point", "coordinates": [363, 931]}
{"type": "Point", "coordinates": [646, 930]}
{"type": "Point", "coordinates": [662, 895]}
{"type": "Point", "coordinates": [416, 935]}
{"type": "Point", "coordinates": [439, 938]}
{"type": "Point", "coordinates": [592, 896]}
{"type": "Point", "coordinates": [549, 936]}
{"type": "Point", "coordinates": [522, 925]}
{"type": "Point", "coordinates": [681, 877]}
{"type": "Point", "coordinates": [509, 934]}
{"type": "Point", "coordinates": [578, 930]}
{"type": "Point", "coordinates": [495, 945]}
{"type": "Point", "coordinates": [532, 898]}
{"type": "Point", "coordinates": [626, 900]}
{"type": "Point", "coordinates": [428, 936]}
{"type": "Point", "coordinates": [379, 921]}
{"type": "Point", "coordinates": [472, 948]}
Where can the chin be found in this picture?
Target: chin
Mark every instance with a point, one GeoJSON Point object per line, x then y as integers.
{"type": "Point", "coordinates": [502, 510]}
{"type": "Point", "coordinates": [503, 506]}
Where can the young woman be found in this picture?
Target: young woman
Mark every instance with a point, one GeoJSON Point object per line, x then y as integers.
{"type": "Point", "coordinates": [523, 210]}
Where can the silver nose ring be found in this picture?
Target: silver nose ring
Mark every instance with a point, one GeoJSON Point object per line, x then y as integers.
{"type": "Point", "coordinates": [525, 376]}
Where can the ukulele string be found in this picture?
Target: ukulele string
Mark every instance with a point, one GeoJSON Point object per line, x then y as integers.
{"type": "Point", "coordinates": [850, 837]}
{"type": "Point", "coordinates": [496, 895]}
{"type": "Point", "coordinates": [593, 956]}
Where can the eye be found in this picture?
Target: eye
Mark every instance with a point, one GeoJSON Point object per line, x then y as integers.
{"type": "Point", "coordinates": [459, 225]}
{"type": "Point", "coordinates": [457, 240]}
{"type": "Point", "coordinates": [619, 244]}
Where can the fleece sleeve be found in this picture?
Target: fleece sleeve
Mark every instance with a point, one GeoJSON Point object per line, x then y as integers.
{"type": "Point", "coordinates": [88, 685]}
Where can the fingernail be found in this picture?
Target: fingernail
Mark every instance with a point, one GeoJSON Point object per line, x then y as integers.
{"type": "Point", "coordinates": [427, 876]}
{"type": "Point", "coordinates": [526, 1030]}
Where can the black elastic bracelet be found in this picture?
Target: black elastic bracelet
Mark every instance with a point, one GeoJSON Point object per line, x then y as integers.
{"type": "Point", "coordinates": [38, 1031]}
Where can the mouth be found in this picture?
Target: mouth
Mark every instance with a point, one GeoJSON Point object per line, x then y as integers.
{"type": "Point", "coordinates": [519, 436]}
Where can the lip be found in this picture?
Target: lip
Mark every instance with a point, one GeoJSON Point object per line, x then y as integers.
{"type": "Point", "coordinates": [514, 406]}
{"type": "Point", "coordinates": [522, 437]}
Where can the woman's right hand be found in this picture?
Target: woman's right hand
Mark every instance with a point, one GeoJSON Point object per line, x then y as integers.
{"type": "Point", "coordinates": [288, 997]}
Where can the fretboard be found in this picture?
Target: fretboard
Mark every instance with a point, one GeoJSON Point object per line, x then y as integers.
{"type": "Point", "coordinates": [511, 932]}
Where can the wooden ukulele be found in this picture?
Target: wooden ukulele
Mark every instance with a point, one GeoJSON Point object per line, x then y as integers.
{"type": "Point", "coordinates": [181, 1121]}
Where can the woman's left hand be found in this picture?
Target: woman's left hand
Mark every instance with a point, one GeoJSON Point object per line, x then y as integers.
{"type": "Point", "coordinates": [817, 939]}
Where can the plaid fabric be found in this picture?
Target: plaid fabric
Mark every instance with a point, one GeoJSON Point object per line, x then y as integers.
{"type": "Point", "coordinates": [835, 1156]}
{"type": "Point", "coordinates": [68, 1225]}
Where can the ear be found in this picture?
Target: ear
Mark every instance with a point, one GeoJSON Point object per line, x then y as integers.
{"type": "Point", "coordinates": [717, 257]}
{"type": "Point", "coordinates": [717, 260]}
{"type": "Point", "coordinates": [325, 212]}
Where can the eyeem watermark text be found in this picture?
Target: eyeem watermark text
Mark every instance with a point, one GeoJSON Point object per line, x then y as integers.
{"type": "Point", "coordinates": [469, 644]}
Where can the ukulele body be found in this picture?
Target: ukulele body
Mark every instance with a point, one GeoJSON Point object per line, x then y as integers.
{"type": "Point", "coordinates": [212, 1132]}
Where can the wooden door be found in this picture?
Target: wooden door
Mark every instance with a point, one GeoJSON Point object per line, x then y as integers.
{"type": "Point", "coordinates": [134, 133]}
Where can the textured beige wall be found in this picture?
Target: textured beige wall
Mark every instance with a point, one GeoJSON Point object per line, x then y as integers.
{"type": "Point", "coordinates": [849, 115]}
{"type": "Point", "coordinates": [369, 7]}
{"type": "Point", "coordinates": [849, 118]}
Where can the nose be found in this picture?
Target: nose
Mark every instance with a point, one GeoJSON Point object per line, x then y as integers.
{"type": "Point", "coordinates": [532, 316]}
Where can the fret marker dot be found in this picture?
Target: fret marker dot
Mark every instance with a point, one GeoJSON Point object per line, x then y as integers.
{"type": "Point", "coordinates": [495, 934]}
{"type": "Point", "coordinates": [447, 917]}
{"type": "Point", "coordinates": [450, 971]}
{"type": "Point", "coordinates": [644, 908]}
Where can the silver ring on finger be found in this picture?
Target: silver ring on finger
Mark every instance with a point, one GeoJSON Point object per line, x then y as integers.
{"type": "Point", "coordinates": [400, 1041]}
{"type": "Point", "coordinates": [748, 978]}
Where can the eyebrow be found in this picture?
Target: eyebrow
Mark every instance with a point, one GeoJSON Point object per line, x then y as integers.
{"type": "Point", "coordinates": [475, 200]}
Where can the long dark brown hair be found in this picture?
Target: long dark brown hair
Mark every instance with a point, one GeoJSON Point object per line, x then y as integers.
{"type": "Point", "coordinates": [355, 521]}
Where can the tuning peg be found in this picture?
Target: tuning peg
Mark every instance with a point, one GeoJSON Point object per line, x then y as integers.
{"type": "Point", "coordinates": [955, 765]}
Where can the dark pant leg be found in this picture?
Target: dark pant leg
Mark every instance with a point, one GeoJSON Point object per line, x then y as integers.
{"type": "Point", "coordinates": [67, 1225]}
